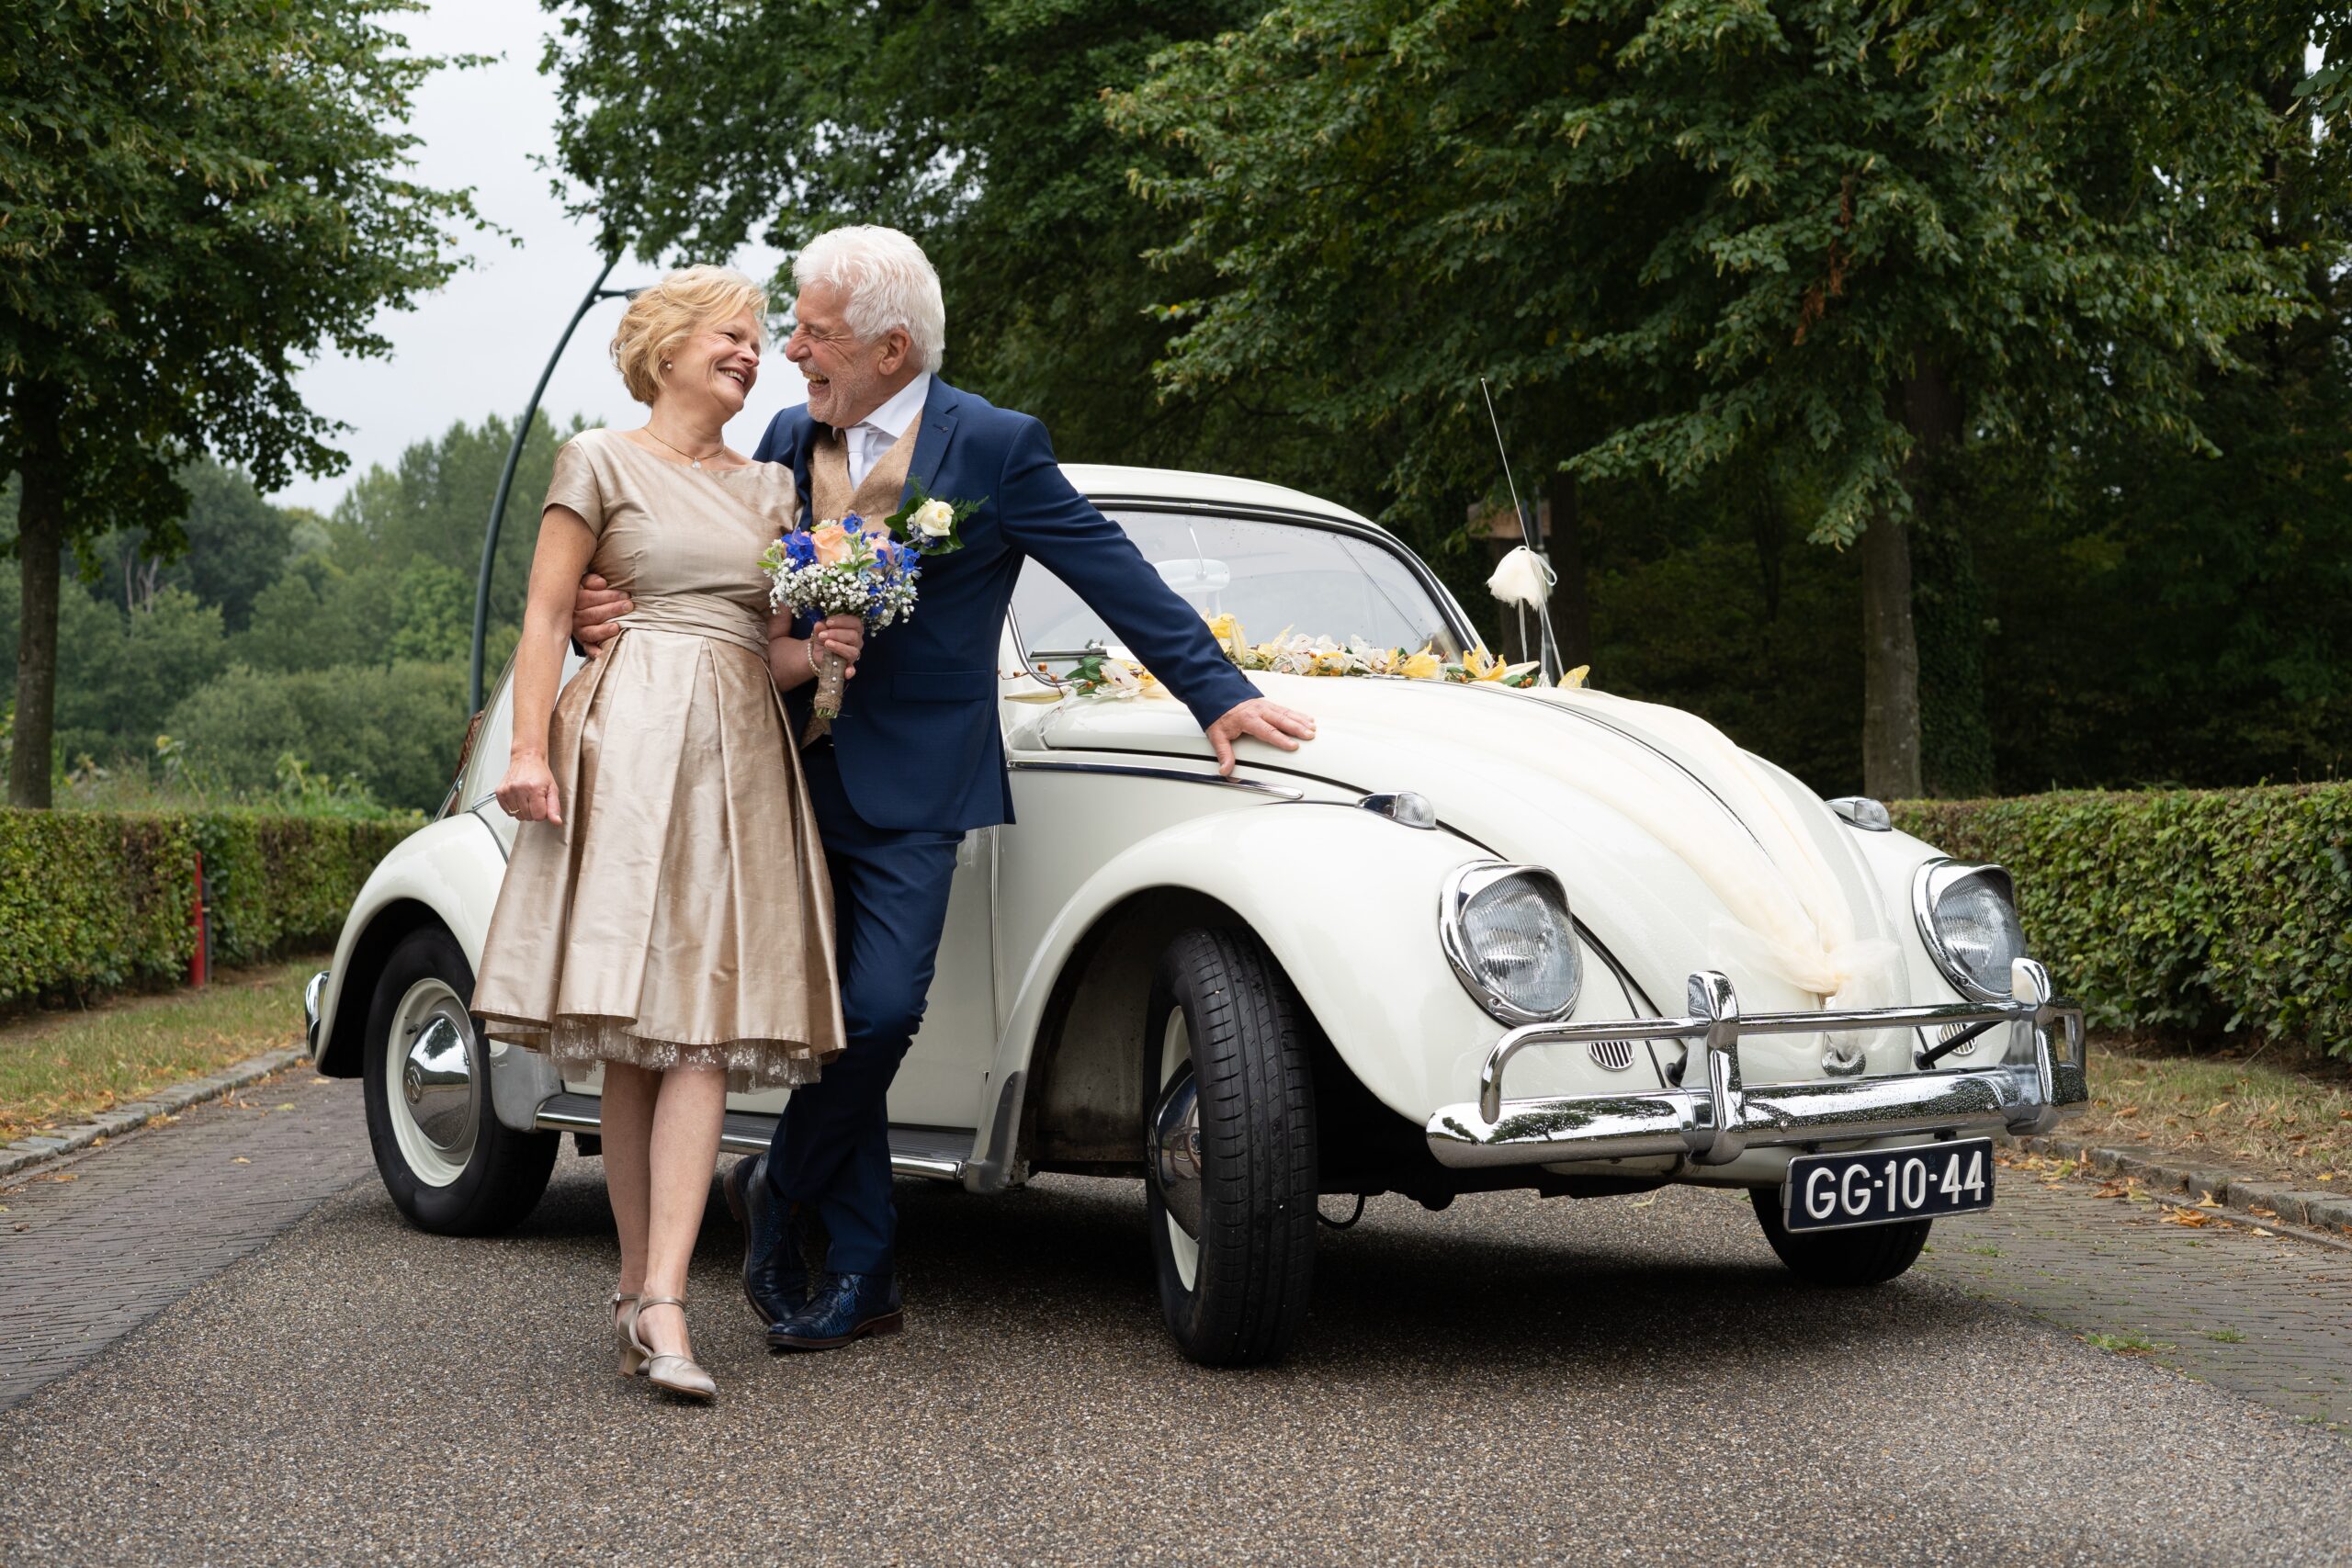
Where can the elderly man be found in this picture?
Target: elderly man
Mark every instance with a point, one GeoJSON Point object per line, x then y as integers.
{"type": "Point", "coordinates": [916, 759]}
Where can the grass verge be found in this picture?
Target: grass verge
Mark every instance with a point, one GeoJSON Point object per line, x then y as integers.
{"type": "Point", "coordinates": [2293, 1121]}
{"type": "Point", "coordinates": [59, 1069]}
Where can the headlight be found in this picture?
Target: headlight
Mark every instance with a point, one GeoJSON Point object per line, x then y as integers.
{"type": "Point", "coordinates": [1968, 918]}
{"type": "Point", "coordinates": [1507, 933]}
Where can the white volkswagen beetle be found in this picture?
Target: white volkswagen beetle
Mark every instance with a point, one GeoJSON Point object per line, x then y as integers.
{"type": "Point", "coordinates": [1469, 937]}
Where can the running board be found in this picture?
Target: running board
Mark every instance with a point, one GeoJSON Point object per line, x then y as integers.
{"type": "Point", "coordinates": [939, 1152]}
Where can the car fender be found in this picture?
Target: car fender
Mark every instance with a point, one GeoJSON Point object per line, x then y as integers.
{"type": "Point", "coordinates": [1346, 901]}
{"type": "Point", "coordinates": [448, 871]}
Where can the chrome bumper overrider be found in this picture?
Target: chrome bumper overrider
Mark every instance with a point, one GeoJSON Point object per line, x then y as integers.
{"type": "Point", "coordinates": [1718, 1119]}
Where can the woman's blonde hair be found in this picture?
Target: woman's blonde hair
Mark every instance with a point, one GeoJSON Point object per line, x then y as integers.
{"type": "Point", "coordinates": [665, 314]}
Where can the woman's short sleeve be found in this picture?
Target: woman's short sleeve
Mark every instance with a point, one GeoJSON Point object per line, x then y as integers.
{"type": "Point", "coordinates": [575, 485]}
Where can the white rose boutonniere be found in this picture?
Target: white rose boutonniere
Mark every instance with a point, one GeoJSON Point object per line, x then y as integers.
{"type": "Point", "coordinates": [929, 523]}
{"type": "Point", "coordinates": [935, 519]}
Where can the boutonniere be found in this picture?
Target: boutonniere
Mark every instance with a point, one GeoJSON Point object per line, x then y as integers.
{"type": "Point", "coordinates": [931, 525]}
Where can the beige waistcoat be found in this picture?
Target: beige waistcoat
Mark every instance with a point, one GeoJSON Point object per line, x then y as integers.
{"type": "Point", "coordinates": [831, 498]}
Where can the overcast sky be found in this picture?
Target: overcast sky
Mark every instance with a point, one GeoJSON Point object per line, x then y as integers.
{"type": "Point", "coordinates": [476, 347]}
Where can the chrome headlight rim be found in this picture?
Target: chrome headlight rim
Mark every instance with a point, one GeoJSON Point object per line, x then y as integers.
{"type": "Point", "coordinates": [1929, 885]}
{"type": "Point", "coordinates": [1464, 884]}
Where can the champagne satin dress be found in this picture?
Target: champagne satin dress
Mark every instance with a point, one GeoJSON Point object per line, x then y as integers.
{"type": "Point", "coordinates": [680, 914]}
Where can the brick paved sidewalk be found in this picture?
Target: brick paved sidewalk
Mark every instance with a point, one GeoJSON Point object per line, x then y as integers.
{"type": "Point", "coordinates": [95, 1246]}
{"type": "Point", "coordinates": [2268, 1317]}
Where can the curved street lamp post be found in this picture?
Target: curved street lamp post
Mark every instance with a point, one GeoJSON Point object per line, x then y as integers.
{"type": "Point", "coordinates": [596, 291]}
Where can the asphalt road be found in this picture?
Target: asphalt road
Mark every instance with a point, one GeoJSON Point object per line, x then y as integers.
{"type": "Point", "coordinates": [1512, 1380]}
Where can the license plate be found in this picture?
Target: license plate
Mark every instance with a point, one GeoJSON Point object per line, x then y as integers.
{"type": "Point", "coordinates": [1833, 1191]}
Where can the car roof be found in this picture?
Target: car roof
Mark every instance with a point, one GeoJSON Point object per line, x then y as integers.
{"type": "Point", "coordinates": [1100, 482]}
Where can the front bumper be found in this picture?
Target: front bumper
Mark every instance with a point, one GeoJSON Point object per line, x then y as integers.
{"type": "Point", "coordinates": [1716, 1119]}
{"type": "Point", "coordinates": [312, 995]}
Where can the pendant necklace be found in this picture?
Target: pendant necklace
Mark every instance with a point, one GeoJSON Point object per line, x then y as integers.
{"type": "Point", "coordinates": [691, 461]}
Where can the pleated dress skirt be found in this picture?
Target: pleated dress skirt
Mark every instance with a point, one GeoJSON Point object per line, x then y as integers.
{"type": "Point", "coordinates": [680, 915]}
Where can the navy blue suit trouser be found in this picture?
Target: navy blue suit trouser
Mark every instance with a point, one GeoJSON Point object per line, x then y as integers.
{"type": "Point", "coordinates": [832, 1147]}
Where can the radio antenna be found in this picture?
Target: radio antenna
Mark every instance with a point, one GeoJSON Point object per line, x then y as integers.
{"type": "Point", "coordinates": [1548, 654]}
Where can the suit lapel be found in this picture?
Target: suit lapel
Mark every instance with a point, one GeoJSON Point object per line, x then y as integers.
{"type": "Point", "coordinates": [939, 412]}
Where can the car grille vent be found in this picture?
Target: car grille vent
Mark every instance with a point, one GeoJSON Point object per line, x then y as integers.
{"type": "Point", "coordinates": [1614, 1055]}
{"type": "Point", "coordinates": [1949, 1029]}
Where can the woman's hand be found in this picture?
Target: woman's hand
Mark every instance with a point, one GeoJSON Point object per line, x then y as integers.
{"type": "Point", "coordinates": [529, 792]}
{"type": "Point", "coordinates": [843, 634]}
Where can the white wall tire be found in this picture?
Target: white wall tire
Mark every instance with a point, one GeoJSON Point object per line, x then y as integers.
{"type": "Point", "coordinates": [447, 1162]}
{"type": "Point", "coordinates": [1228, 1120]}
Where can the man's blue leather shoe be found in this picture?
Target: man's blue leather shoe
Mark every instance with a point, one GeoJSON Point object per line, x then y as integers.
{"type": "Point", "coordinates": [852, 1307]}
{"type": "Point", "coordinates": [776, 1248]}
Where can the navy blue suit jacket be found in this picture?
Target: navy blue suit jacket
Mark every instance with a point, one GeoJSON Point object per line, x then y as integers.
{"type": "Point", "coordinates": [918, 739]}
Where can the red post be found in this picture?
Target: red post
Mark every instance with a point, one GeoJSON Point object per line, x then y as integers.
{"type": "Point", "coordinates": [200, 964]}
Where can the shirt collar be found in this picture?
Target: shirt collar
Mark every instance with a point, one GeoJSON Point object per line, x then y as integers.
{"type": "Point", "coordinates": [903, 409]}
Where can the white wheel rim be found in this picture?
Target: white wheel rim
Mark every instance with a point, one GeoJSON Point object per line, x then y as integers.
{"type": "Point", "coordinates": [1175, 1051]}
{"type": "Point", "coordinates": [432, 1070]}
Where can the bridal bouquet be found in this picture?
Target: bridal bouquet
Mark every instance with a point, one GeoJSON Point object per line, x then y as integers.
{"type": "Point", "coordinates": [850, 566]}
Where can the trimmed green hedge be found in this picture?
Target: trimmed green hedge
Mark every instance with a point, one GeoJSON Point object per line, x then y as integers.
{"type": "Point", "coordinates": [94, 900]}
{"type": "Point", "coordinates": [2205, 910]}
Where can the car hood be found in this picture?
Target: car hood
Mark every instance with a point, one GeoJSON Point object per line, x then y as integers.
{"type": "Point", "coordinates": [1679, 852]}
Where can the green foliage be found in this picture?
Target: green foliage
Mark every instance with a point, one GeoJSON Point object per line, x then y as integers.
{"type": "Point", "coordinates": [395, 729]}
{"type": "Point", "coordinates": [1726, 229]}
{"type": "Point", "coordinates": [91, 900]}
{"type": "Point", "coordinates": [197, 199]}
{"type": "Point", "coordinates": [121, 675]}
{"type": "Point", "coordinates": [319, 615]}
{"type": "Point", "coordinates": [2207, 911]}
{"type": "Point", "coordinates": [236, 544]}
{"type": "Point", "coordinates": [780, 118]}
{"type": "Point", "coordinates": [432, 507]}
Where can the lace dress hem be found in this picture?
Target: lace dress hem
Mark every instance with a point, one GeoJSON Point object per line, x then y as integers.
{"type": "Point", "coordinates": [586, 1039]}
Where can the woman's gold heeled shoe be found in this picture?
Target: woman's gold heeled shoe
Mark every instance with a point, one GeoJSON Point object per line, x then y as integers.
{"type": "Point", "coordinates": [673, 1375]}
{"type": "Point", "coordinates": [625, 1330]}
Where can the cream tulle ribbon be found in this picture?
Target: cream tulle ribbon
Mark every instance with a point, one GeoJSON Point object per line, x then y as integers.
{"type": "Point", "coordinates": [1785, 912]}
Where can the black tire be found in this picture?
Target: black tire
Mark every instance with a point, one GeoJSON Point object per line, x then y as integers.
{"type": "Point", "coordinates": [1255, 1260]}
{"type": "Point", "coordinates": [1868, 1255]}
{"type": "Point", "coordinates": [503, 1172]}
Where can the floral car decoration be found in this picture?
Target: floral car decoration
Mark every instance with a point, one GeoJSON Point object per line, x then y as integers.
{"type": "Point", "coordinates": [1100, 675]}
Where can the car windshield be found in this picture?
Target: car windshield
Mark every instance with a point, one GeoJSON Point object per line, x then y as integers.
{"type": "Point", "coordinates": [1274, 577]}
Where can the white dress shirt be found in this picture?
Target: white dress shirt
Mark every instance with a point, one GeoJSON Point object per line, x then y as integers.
{"type": "Point", "coordinates": [879, 431]}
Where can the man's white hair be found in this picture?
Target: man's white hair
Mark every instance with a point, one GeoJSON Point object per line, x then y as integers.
{"type": "Point", "coordinates": [887, 281]}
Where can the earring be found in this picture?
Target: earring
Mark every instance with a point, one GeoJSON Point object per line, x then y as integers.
{"type": "Point", "coordinates": [665, 364]}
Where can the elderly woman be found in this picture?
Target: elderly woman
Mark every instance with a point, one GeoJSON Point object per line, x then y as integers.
{"type": "Point", "coordinates": [666, 913]}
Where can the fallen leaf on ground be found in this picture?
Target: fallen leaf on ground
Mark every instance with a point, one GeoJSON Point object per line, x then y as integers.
{"type": "Point", "coordinates": [323, 1081]}
{"type": "Point", "coordinates": [241, 1160]}
{"type": "Point", "coordinates": [2208, 1201]}
{"type": "Point", "coordinates": [2128, 1111]}
{"type": "Point", "coordinates": [61, 1175]}
{"type": "Point", "coordinates": [2259, 1231]}
{"type": "Point", "coordinates": [2112, 1189]}
{"type": "Point", "coordinates": [19, 1226]}
{"type": "Point", "coordinates": [288, 1105]}
{"type": "Point", "coordinates": [2191, 1217]}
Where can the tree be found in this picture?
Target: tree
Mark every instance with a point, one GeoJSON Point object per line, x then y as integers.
{"type": "Point", "coordinates": [121, 673]}
{"type": "Point", "coordinates": [976, 126]}
{"type": "Point", "coordinates": [1859, 239]}
{"type": "Point", "coordinates": [429, 506]}
{"type": "Point", "coordinates": [236, 544]}
{"type": "Point", "coordinates": [197, 199]}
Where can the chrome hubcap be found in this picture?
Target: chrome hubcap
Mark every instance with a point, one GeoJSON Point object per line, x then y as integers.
{"type": "Point", "coordinates": [435, 1097]}
{"type": "Point", "coordinates": [438, 1082]}
{"type": "Point", "coordinates": [1173, 1159]}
